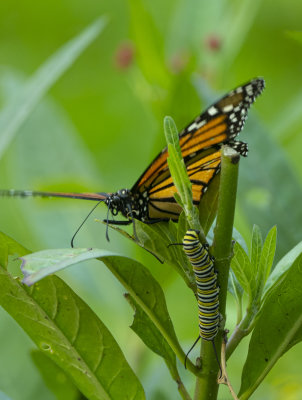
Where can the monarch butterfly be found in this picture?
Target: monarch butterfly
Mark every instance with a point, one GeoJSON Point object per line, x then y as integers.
{"type": "Point", "coordinates": [207, 287]}
{"type": "Point", "coordinates": [151, 199]}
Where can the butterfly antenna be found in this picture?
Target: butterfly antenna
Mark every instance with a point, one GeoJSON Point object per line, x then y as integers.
{"type": "Point", "coordinates": [191, 348]}
{"type": "Point", "coordinates": [76, 232]}
{"type": "Point", "coordinates": [216, 355]}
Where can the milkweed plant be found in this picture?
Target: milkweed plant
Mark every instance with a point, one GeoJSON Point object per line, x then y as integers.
{"type": "Point", "coordinates": [74, 342]}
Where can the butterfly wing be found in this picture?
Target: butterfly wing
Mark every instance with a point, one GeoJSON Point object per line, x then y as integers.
{"type": "Point", "coordinates": [200, 144]}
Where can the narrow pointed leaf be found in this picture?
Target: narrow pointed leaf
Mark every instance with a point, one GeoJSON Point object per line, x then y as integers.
{"type": "Point", "coordinates": [283, 265]}
{"type": "Point", "coordinates": [20, 107]}
{"type": "Point", "coordinates": [267, 257]}
{"type": "Point", "coordinates": [149, 44]}
{"type": "Point", "coordinates": [256, 247]}
{"type": "Point", "coordinates": [242, 268]}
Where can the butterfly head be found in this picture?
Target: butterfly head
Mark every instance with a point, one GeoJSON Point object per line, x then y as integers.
{"type": "Point", "coordinates": [128, 204]}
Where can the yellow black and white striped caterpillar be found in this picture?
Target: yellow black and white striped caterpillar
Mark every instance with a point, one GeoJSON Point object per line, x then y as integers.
{"type": "Point", "coordinates": [207, 287]}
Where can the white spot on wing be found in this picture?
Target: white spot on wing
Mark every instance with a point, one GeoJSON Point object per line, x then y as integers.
{"type": "Point", "coordinates": [212, 110]}
{"type": "Point", "coordinates": [228, 108]}
{"type": "Point", "coordinates": [191, 127]}
{"type": "Point", "coordinates": [201, 123]}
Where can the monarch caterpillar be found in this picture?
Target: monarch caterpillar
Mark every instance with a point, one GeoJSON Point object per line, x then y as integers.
{"type": "Point", "coordinates": [151, 199]}
{"type": "Point", "coordinates": [207, 287]}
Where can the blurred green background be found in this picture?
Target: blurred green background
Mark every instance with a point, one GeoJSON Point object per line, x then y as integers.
{"type": "Point", "coordinates": [102, 123]}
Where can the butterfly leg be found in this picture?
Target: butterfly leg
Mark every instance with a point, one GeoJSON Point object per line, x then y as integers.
{"type": "Point", "coordinates": [113, 222]}
{"type": "Point", "coordinates": [155, 221]}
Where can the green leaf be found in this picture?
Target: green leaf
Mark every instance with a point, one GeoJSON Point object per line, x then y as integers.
{"type": "Point", "coordinates": [266, 258]}
{"type": "Point", "coordinates": [180, 177]}
{"type": "Point", "coordinates": [67, 330]}
{"type": "Point", "coordinates": [277, 329]}
{"type": "Point", "coordinates": [136, 279]}
{"type": "Point", "coordinates": [146, 292]}
{"type": "Point", "coordinates": [283, 265]}
{"type": "Point", "coordinates": [20, 107]}
{"type": "Point", "coordinates": [171, 133]}
{"type": "Point", "coordinates": [36, 266]}
{"type": "Point", "coordinates": [150, 335]}
{"type": "Point", "coordinates": [9, 247]}
{"type": "Point", "coordinates": [256, 247]}
{"type": "Point", "coordinates": [55, 378]}
{"type": "Point", "coordinates": [242, 268]}
{"type": "Point", "coordinates": [179, 173]}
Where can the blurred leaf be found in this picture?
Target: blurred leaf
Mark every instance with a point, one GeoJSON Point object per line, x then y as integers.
{"type": "Point", "coordinates": [234, 28]}
{"type": "Point", "coordinates": [3, 396]}
{"type": "Point", "coordinates": [256, 247]}
{"type": "Point", "coordinates": [277, 329]}
{"type": "Point", "coordinates": [47, 221]}
{"type": "Point", "coordinates": [150, 335]}
{"type": "Point", "coordinates": [242, 268]}
{"type": "Point", "coordinates": [296, 35]}
{"type": "Point", "coordinates": [9, 247]}
{"type": "Point", "coordinates": [66, 330]}
{"type": "Point", "coordinates": [55, 378]}
{"type": "Point", "coordinates": [280, 185]}
{"type": "Point", "coordinates": [21, 106]}
{"type": "Point", "coordinates": [283, 265]}
{"type": "Point", "coordinates": [149, 45]}
{"type": "Point", "coordinates": [283, 124]}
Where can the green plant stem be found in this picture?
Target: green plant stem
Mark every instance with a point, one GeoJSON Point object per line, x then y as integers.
{"type": "Point", "coordinates": [206, 385]}
{"type": "Point", "coordinates": [183, 391]}
{"type": "Point", "coordinates": [180, 386]}
{"type": "Point", "coordinates": [241, 330]}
